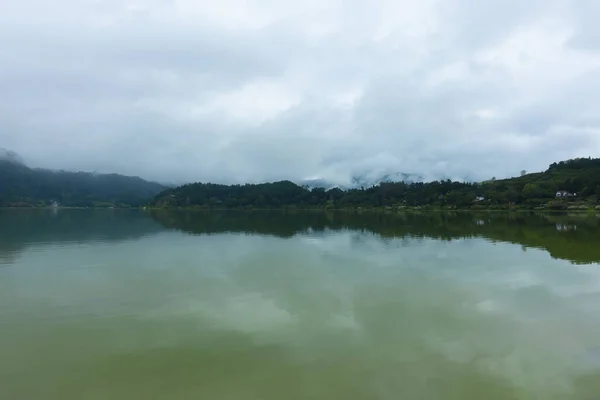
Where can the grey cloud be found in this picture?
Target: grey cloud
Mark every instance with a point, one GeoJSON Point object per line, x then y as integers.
{"type": "Point", "coordinates": [459, 89]}
{"type": "Point", "coordinates": [476, 24]}
{"type": "Point", "coordinates": [587, 32]}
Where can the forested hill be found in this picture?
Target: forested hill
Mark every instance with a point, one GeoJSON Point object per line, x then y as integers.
{"type": "Point", "coordinates": [579, 177]}
{"type": "Point", "coordinates": [22, 186]}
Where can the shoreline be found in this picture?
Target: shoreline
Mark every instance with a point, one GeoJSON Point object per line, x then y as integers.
{"type": "Point", "coordinates": [590, 210]}
{"type": "Point", "coordinates": [387, 209]}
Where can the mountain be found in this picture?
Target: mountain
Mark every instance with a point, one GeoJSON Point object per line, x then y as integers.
{"type": "Point", "coordinates": [24, 186]}
{"type": "Point", "coordinates": [363, 180]}
{"type": "Point", "coordinates": [567, 184]}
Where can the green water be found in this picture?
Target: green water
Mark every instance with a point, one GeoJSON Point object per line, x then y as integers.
{"type": "Point", "coordinates": [232, 305]}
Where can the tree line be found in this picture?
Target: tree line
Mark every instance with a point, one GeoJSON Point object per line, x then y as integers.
{"type": "Point", "coordinates": [23, 186]}
{"type": "Point", "coordinates": [579, 177]}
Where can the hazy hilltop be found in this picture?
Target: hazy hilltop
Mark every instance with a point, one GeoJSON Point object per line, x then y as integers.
{"type": "Point", "coordinates": [566, 184]}
{"type": "Point", "coordinates": [363, 180]}
{"type": "Point", "coordinates": [11, 157]}
{"type": "Point", "coordinates": [572, 183]}
{"type": "Point", "coordinates": [21, 185]}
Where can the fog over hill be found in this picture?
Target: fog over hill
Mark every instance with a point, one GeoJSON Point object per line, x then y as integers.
{"type": "Point", "coordinates": [21, 185]}
{"type": "Point", "coordinates": [10, 156]}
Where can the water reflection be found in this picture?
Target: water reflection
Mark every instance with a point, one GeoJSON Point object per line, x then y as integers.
{"type": "Point", "coordinates": [271, 305]}
{"type": "Point", "coordinates": [568, 237]}
{"type": "Point", "coordinates": [20, 228]}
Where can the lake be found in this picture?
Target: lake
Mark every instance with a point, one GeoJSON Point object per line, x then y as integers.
{"type": "Point", "coordinates": [115, 304]}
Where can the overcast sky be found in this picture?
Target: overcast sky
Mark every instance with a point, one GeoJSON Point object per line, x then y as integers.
{"type": "Point", "coordinates": [261, 90]}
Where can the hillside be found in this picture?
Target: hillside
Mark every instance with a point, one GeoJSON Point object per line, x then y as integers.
{"type": "Point", "coordinates": [580, 177]}
{"type": "Point", "coordinates": [24, 186]}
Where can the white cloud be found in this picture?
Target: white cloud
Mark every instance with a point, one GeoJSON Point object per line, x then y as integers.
{"type": "Point", "coordinates": [257, 90]}
{"type": "Point", "coordinates": [252, 103]}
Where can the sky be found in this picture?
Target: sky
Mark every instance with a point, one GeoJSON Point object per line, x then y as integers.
{"type": "Point", "coordinates": [235, 91]}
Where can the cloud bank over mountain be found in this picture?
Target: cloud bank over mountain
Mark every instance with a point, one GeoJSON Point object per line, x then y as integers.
{"type": "Point", "coordinates": [247, 91]}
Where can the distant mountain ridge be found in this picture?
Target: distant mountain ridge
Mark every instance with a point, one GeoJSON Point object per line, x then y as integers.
{"type": "Point", "coordinates": [373, 180]}
{"type": "Point", "coordinates": [579, 178]}
{"type": "Point", "coordinates": [24, 186]}
{"type": "Point", "coordinates": [364, 180]}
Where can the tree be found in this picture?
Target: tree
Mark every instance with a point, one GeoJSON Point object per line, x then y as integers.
{"type": "Point", "coordinates": [530, 191]}
{"type": "Point", "coordinates": [512, 195]}
{"type": "Point", "coordinates": [523, 172]}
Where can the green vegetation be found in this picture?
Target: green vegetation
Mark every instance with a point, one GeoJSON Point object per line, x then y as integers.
{"type": "Point", "coordinates": [580, 178]}
{"type": "Point", "coordinates": [21, 186]}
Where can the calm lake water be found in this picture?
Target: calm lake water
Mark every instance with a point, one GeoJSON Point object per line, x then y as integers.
{"type": "Point", "coordinates": [267, 305]}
